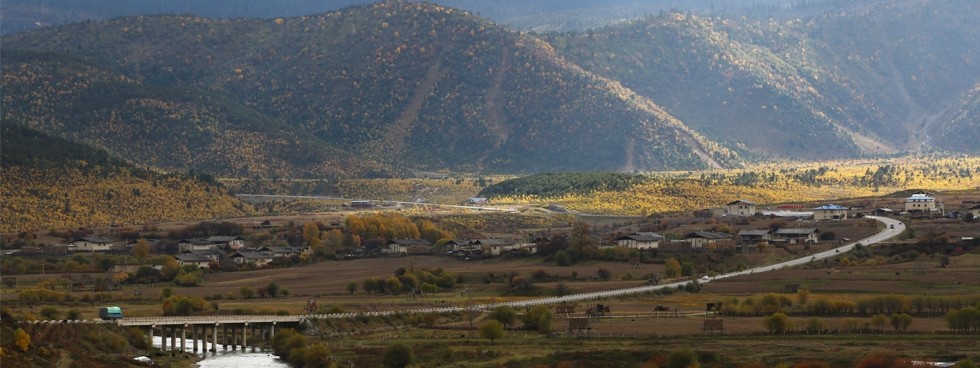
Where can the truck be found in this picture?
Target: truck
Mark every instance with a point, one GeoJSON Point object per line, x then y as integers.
{"type": "Point", "coordinates": [110, 313]}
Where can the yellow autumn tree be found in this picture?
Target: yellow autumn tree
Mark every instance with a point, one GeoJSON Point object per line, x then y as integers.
{"type": "Point", "coordinates": [22, 339]}
{"type": "Point", "coordinates": [141, 250]}
{"type": "Point", "coordinates": [311, 234]}
{"type": "Point", "coordinates": [672, 268]}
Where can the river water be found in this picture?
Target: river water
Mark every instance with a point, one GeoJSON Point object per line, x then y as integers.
{"type": "Point", "coordinates": [228, 358]}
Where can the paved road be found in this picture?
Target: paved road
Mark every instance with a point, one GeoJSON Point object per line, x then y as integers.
{"type": "Point", "coordinates": [892, 228]}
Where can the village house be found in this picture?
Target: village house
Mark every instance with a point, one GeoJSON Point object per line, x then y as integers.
{"type": "Point", "coordinates": [192, 259]}
{"type": "Point", "coordinates": [975, 210]}
{"type": "Point", "coordinates": [91, 244]}
{"type": "Point", "coordinates": [153, 243]}
{"type": "Point", "coordinates": [753, 236]}
{"type": "Point", "coordinates": [458, 246]}
{"type": "Point", "coordinates": [830, 212]}
{"type": "Point", "coordinates": [797, 235]}
{"type": "Point", "coordinates": [212, 254]}
{"type": "Point", "coordinates": [920, 202]}
{"type": "Point", "coordinates": [404, 246]}
{"type": "Point", "coordinates": [194, 245]}
{"type": "Point", "coordinates": [700, 239]}
{"type": "Point", "coordinates": [230, 243]}
{"type": "Point", "coordinates": [495, 247]}
{"type": "Point", "coordinates": [740, 208]}
{"type": "Point", "coordinates": [641, 240]}
{"type": "Point", "coordinates": [257, 259]}
{"type": "Point", "coordinates": [284, 251]}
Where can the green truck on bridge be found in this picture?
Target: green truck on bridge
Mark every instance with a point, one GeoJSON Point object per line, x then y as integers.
{"type": "Point", "coordinates": [110, 313]}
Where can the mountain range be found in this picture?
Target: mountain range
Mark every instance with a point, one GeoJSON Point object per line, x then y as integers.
{"type": "Point", "coordinates": [377, 90]}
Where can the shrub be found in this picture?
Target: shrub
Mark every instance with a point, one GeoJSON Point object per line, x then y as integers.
{"type": "Point", "coordinates": [777, 323]}
{"type": "Point", "coordinates": [682, 359]}
{"type": "Point", "coordinates": [184, 305]}
{"type": "Point", "coordinates": [398, 355]}
{"type": "Point", "coordinates": [50, 312]}
{"type": "Point", "coordinates": [538, 318]}
{"type": "Point", "coordinates": [562, 258]}
{"type": "Point", "coordinates": [491, 330]}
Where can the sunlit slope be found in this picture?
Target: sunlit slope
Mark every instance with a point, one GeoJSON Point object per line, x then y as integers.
{"type": "Point", "coordinates": [51, 183]}
{"type": "Point", "coordinates": [768, 184]}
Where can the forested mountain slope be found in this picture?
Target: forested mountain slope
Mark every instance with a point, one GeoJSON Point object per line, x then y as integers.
{"type": "Point", "coordinates": [822, 87]}
{"type": "Point", "coordinates": [51, 183]}
{"type": "Point", "coordinates": [417, 85]}
{"type": "Point", "coordinates": [957, 128]}
{"type": "Point", "coordinates": [170, 126]}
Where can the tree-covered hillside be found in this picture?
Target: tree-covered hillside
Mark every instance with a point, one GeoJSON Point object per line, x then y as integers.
{"type": "Point", "coordinates": [412, 84]}
{"type": "Point", "coordinates": [170, 126]}
{"type": "Point", "coordinates": [52, 183]}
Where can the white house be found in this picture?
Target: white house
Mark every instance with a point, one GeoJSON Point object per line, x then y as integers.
{"type": "Point", "coordinates": [830, 212]}
{"type": "Point", "coordinates": [804, 235]}
{"type": "Point", "coordinates": [91, 244]}
{"type": "Point", "coordinates": [920, 202]}
{"type": "Point", "coordinates": [740, 208]}
{"type": "Point", "coordinates": [643, 240]}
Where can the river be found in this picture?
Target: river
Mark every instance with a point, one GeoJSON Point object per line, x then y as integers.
{"type": "Point", "coordinates": [231, 359]}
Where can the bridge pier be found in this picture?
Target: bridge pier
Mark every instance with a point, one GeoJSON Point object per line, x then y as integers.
{"type": "Point", "coordinates": [173, 338]}
{"type": "Point", "coordinates": [244, 336]}
{"type": "Point", "coordinates": [151, 337]}
{"type": "Point", "coordinates": [254, 336]}
{"type": "Point", "coordinates": [194, 337]}
{"type": "Point", "coordinates": [214, 338]}
{"type": "Point", "coordinates": [183, 338]}
{"type": "Point", "coordinates": [224, 337]}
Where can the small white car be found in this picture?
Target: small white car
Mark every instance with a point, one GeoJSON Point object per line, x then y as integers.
{"type": "Point", "coordinates": [705, 278]}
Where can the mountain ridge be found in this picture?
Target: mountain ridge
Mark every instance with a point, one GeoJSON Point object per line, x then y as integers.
{"type": "Point", "coordinates": [373, 90]}
{"type": "Point", "coordinates": [269, 83]}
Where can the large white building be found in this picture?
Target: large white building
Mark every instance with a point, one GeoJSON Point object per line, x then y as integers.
{"type": "Point", "coordinates": [920, 202]}
{"type": "Point", "coordinates": [830, 212]}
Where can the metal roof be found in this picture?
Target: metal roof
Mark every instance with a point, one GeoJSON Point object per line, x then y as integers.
{"type": "Point", "coordinates": [796, 231]}
{"type": "Point", "coordinates": [830, 207]}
